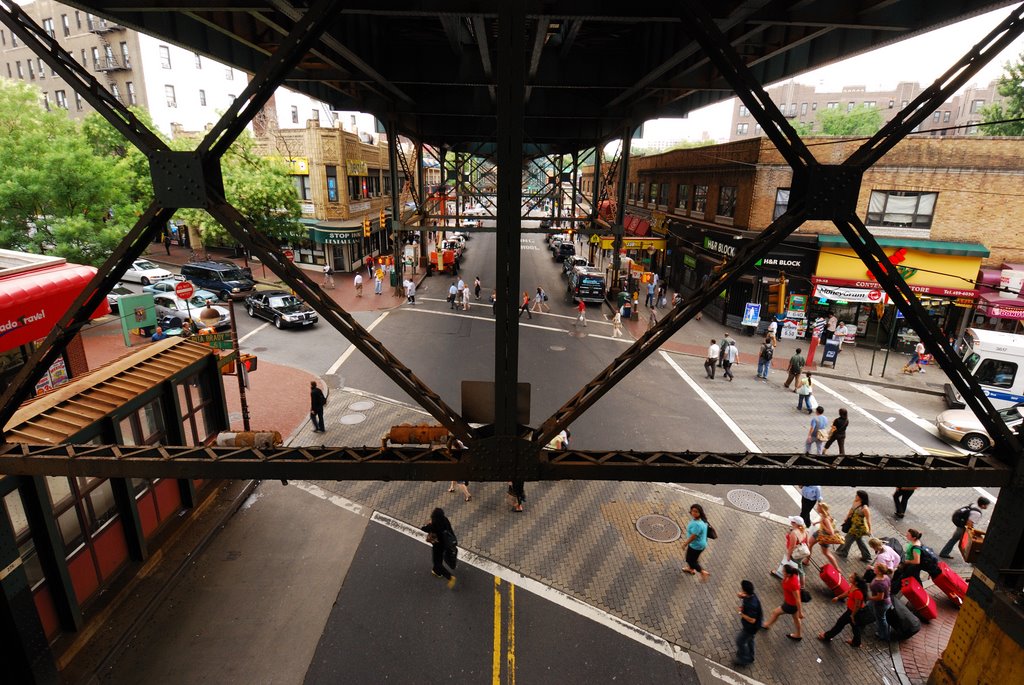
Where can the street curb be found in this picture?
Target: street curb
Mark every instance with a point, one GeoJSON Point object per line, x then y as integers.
{"type": "Point", "coordinates": [884, 384]}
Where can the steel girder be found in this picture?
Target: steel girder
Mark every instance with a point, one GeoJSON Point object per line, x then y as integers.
{"type": "Point", "coordinates": [407, 463]}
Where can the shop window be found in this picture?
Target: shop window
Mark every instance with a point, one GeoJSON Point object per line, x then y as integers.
{"type": "Point", "coordinates": [81, 506]}
{"type": "Point", "coordinates": [727, 201]}
{"type": "Point", "coordinates": [781, 203]}
{"type": "Point", "coordinates": [144, 426]}
{"type": "Point", "coordinates": [901, 208]}
{"type": "Point", "coordinates": [640, 188]}
{"type": "Point", "coordinates": [23, 537]}
{"type": "Point", "coordinates": [663, 195]}
{"type": "Point", "coordinates": [631, 192]}
{"type": "Point", "coordinates": [682, 196]}
{"type": "Point", "coordinates": [373, 186]}
{"type": "Point", "coordinates": [195, 405]}
{"type": "Point", "coordinates": [700, 199]}
{"type": "Point", "coordinates": [996, 372]}
{"type": "Point", "coordinates": [654, 193]}
{"type": "Point", "coordinates": [332, 183]}
{"type": "Point", "coordinates": [303, 187]}
{"type": "Point", "coordinates": [356, 187]}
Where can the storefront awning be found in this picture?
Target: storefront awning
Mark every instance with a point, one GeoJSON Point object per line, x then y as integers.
{"type": "Point", "coordinates": [336, 232]}
{"type": "Point", "coordinates": [31, 302]}
{"type": "Point", "coordinates": [608, 243]}
{"type": "Point", "coordinates": [933, 246]}
{"type": "Point", "coordinates": [990, 304]}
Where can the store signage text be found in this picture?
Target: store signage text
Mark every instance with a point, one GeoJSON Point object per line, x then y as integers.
{"type": "Point", "coordinates": [14, 324]}
{"type": "Point", "coordinates": [839, 293]}
{"type": "Point", "coordinates": [718, 246]}
{"type": "Point", "coordinates": [356, 167]}
{"type": "Point", "coordinates": [873, 285]}
{"type": "Point", "coordinates": [780, 262]}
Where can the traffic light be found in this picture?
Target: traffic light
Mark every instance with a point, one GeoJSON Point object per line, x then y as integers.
{"type": "Point", "coordinates": [777, 296]}
{"type": "Point", "coordinates": [383, 219]}
{"type": "Point", "coordinates": [248, 361]}
{"type": "Point", "coordinates": [366, 227]}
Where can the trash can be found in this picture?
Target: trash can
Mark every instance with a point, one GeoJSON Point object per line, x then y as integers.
{"type": "Point", "coordinates": [394, 278]}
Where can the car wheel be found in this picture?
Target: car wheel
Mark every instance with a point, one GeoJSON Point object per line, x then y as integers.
{"type": "Point", "coordinates": [251, 312]}
{"type": "Point", "coordinates": [277, 322]}
{"type": "Point", "coordinates": [145, 281]}
{"type": "Point", "coordinates": [974, 442]}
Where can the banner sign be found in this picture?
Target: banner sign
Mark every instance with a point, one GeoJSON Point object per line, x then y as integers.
{"type": "Point", "coordinates": [845, 294]}
{"type": "Point", "coordinates": [356, 167]}
{"type": "Point", "coordinates": [751, 313]}
{"type": "Point", "coordinates": [873, 285]}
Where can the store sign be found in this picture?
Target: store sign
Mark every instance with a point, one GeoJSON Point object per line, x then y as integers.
{"type": "Point", "coordinates": [873, 285]}
{"type": "Point", "coordinates": [839, 293]}
{"type": "Point", "coordinates": [782, 262]}
{"type": "Point", "coordinates": [634, 243]}
{"type": "Point", "coordinates": [751, 313]}
{"type": "Point", "coordinates": [658, 224]}
{"type": "Point", "coordinates": [356, 167]}
{"type": "Point", "coordinates": [925, 272]}
{"type": "Point", "coordinates": [689, 261]}
{"type": "Point", "coordinates": [297, 166]}
{"type": "Point", "coordinates": [719, 247]}
{"type": "Point", "coordinates": [1012, 313]}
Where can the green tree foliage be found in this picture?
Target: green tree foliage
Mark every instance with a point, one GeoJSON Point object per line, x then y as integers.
{"type": "Point", "coordinates": [107, 141]}
{"type": "Point", "coordinates": [259, 187]}
{"type": "Point", "coordinates": [57, 196]}
{"type": "Point", "coordinates": [860, 121]}
{"type": "Point", "coordinates": [1011, 87]}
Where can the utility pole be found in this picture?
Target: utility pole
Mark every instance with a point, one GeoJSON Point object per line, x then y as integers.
{"type": "Point", "coordinates": [238, 366]}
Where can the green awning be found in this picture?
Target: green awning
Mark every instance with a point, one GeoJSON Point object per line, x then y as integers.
{"type": "Point", "coordinates": [337, 236]}
{"type": "Point", "coordinates": [933, 246]}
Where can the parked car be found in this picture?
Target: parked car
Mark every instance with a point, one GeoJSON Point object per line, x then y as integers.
{"type": "Point", "coordinates": [168, 305]}
{"type": "Point", "coordinates": [164, 286]}
{"type": "Point", "coordinates": [145, 272]}
{"type": "Point", "coordinates": [471, 223]}
{"type": "Point", "coordinates": [570, 263]}
{"type": "Point", "coordinates": [586, 283]}
{"type": "Point", "coordinates": [115, 294]}
{"type": "Point", "coordinates": [565, 249]}
{"type": "Point", "coordinates": [224, 278]}
{"type": "Point", "coordinates": [280, 307]}
{"type": "Point", "coordinates": [963, 427]}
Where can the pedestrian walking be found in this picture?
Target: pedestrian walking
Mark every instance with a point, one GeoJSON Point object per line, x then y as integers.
{"type": "Point", "coordinates": [697, 542]}
{"type": "Point", "coordinates": [378, 281]}
{"type": "Point", "coordinates": [652, 319]}
{"type": "Point", "coordinates": [525, 306]}
{"type": "Point", "coordinates": [410, 292]}
{"type": "Point", "coordinates": [460, 288]}
{"type": "Point", "coordinates": [838, 433]}
{"type": "Point", "coordinates": [316, 407]}
{"type": "Point", "coordinates": [798, 549]}
{"type": "Point", "coordinates": [517, 495]}
{"type": "Point", "coordinates": [726, 342]}
{"type": "Point", "coordinates": [465, 300]}
{"type": "Point", "coordinates": [884, 554]}
{"type": "Point", "coordinates": [476, 287]}
{"type": "Point", "coordinates": [582, 309]}
{"type": "Point", "coordinates": [463, 486]}
{"type": "Point", "coordinates": [855, 597]}
{"type": "Point", "coordinates": [810, 495]}
{"type": "Point", "coordinates": [796, 367]}
{"type": "Point", "coordinates": [359, 284]}
{"type": "Point", "coordinates": [328, 280]}
{"type": "Point", "coordinates": [880, 596]}
{"type": "Point", "coordinates": [818, 432]}
{"type": "Point", "coordinates": [804, 391]}
{"type": "Point", "coordinates": [617, 324]}
{"type": "Point", "coordinates": [857, 526]}
{"type": "Point", "coordinates": [732, 354]}
{"type": "Point", "coordinates": [711, 359]}
{"type": "Point", "coordinates": [764, 358]}
{"type": "Point", "coordinates": [912, 562]}
{"type": "Point", "coordinates": [773, 330]}
{"type": "Point", "coordinates": [538, 301]}
{"type": "Point", "coordinates": [167, 242]}
{"type": "Point", "coordinates": [494, 302]}
{"type": "Point", "coordinates": [792, 603]}
{"type": "Point", "coordinates": [649, 298]}
{"type": "Point", "coordinates": [900, 498]}
{"type": "Point", "coordinates": [662, 295]}
{"type": "Point", "coordinates": [914, 365]}
{"type": "Point", "coordinates": [443, 544]}
{"type": "Point", "coordinates": [751, 618]}
{"type": "Point", "coordinates": [964, 518]}
{"type": "Point", "coordinates": [825, 535]}
{"type": "Point", "coordinates": [452, 294]}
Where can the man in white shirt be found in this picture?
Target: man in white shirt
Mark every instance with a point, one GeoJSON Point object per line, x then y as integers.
{"type": "Point", "coordinates": [841, 333]}
{"type": "Point", "coordinates": [712, 359]}
{"type": "Point", "coordinates": [830, 327]}
{"type": "Point", "coordinates": [731, 355]}
{"type": "Point", "coordinates": [359, 284]}
{"type": "Point", "coordinates": [773, 330]}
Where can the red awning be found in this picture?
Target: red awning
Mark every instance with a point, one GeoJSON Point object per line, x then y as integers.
{"type": "Point", "coordinates": [990, 304]}
{"type": "Point", "coordinates": [32, 302]}
{"type": "Point", "coordinates": [642, 228]}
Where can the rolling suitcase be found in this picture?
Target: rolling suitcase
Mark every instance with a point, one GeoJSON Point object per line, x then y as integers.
{"type": "Point", "coordinates": [920, 601]}
{"type": "Point", "coordinates": [902, 622]}
{"type": "Point", "coordinates": [950, 583]}
{"type": "Point", "coordinates": [835, 581]}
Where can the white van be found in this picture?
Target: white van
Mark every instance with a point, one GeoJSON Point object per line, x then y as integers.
{"type": "Point", "coordinates": [996, 360]}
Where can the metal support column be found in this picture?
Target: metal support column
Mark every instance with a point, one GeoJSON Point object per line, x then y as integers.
{"type": "Point", "coordinates": [396, 207]}
{"type": "Point", "coordinates": [620, 207]}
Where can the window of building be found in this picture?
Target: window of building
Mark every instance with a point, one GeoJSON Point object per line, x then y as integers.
{"type": "Point", "coordinates": [95, 59]}
{"type": "Point", "coordinates": [803, 108]}
{"type": "Point", "coordinates": [630, 190]}
{"type": "Point", "coordinates": [850, 106]}
{"type": "Point", "coordinates": [125, 61]}
{"type": "Point", "coordinates": [42, 67]}
{"type": "Point", "coordinates": [936, 116]}
{"type": "Point", "coordinates": [901, 208]}
{"type": "Point", "coordinates": [78, 20]}
{"type": "Point", "coordinates": [115, 91]}
{"type": "Point", "coordinates": [869, 103]}
{"type": "Point", "coordinates": [23, 538]}
{"type": "Point", "coordinates": [78, 102]}
{"type": "Point", "coordinates": [202, 98]}
{"type": "Point", "coordinates": [48, 27]}
{"type": "Point", "coordinates": [700, 199]}
{"type": "Point", "coordinates": [757, 128]}
{"type": "Point", "coordinates": [653, 199]}
{"type": "Point", "coordinates": [332, 183]}
{"type": "Point", "coordinates": [903, 105]}
{"type": "Point", "coordinates": [229, 74]}
{"type": "Point", "coordinates": [165, 57]}
{"type": "Point", "coordinates": [14, 40]}
{"type": "Point", "coordinates": [945, 116]}
{"type": "Point", "coordinates": [3, 39]}
{"type": "Point", "coordinates": [741, 129]}
{"type": "Point", "coordinates": [85, 60]}
{"type": "Point", "coordinates": [61, 98]}
{"type": "Point", "coordinates": [65, 24]}
{"type": "Point", "coordinates": [295, 114]}
{"type": "Point", "coordinates": [727, 201]}
{"type": "Point", "coordinates": [640, 196]}
{"type": "Point", "coordinates": [9, 70]}
{"type": "Point", "coordinates": [21, 73]}
{"type": "Point", "coordinates": [108, 55]}
{"type": "Point", "coordinates": [781, 202]}
{"type": "Point", "coordinates": [832, 105]}
{"type": "Point", "coordinates": [196, 404]}
{"type": "Point", "coordinates": [169, 96]}
{"type": "Point", "coordinates": [814, 106]}
{"type": "Point", "coordinates": [892, 103]}
{"type": "Point", "coordinates": [792, 109]}
{"type": "Point", "coordinates": [976, 105]}
{"type": "Point", "coordinates": [682, 196]}
{"type": "Point", "coordinates": [373, 187]}
{"type": "Point", "coordinates": [744, 112]}
{"type": "Point", "coordinates": [663, 195]}
{"type": "Point", "coordinates": [303, 187]}
{"type": "Point", "coordinates": [131, 93]}
{"type": "Point", "coordinates": [199, 60]}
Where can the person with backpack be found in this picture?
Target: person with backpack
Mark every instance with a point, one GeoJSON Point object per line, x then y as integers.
{"type": "Point", "coordinates": [764, 358]}
{"type": "Point", "coordinates": [917, 557]}
{"type": "Point", "coordinates": [443, 545]}
{"type": "Point", "coordinates": [964, 518]}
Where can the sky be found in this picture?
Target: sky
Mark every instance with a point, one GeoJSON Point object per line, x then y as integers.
{"type": "Point", "coordinates": [921, 59]}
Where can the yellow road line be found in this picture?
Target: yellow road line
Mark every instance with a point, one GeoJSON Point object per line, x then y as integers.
{"type": "Point", "coordinates": [496, 659]}
{"type": "Point", "coordinates": [942, 453]}
{"type": "Point", "coordinates": [511, 635]}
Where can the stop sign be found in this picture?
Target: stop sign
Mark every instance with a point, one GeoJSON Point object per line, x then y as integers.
{"type": "Point", "coordinates": [289, 255]}
{"type": "Point", "coordinates": [184, 290]}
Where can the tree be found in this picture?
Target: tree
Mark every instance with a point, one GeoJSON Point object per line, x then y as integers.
{"type": "Point", "coordinates": [860, 121]}
{"type": "Point", "coordinates": [1011, 86]}
{"type": "Point", "coordinates": [259, 187]}
{"type": "Point", "coordinates": [57, 196]}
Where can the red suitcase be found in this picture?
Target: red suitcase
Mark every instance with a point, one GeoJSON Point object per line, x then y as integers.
{"type": "Point", "coordinates": [920, 601]}
{"type": "Point", "coordinates": [951, 583]}
{"type": "Point", "coordinates": [835, 581]}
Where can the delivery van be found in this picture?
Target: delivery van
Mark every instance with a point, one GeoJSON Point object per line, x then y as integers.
{"type": "Point", "coordinates": [996, 360]}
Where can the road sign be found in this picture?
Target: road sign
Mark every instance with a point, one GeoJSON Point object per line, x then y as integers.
{"type": "Point", "coordinates": [289, 255]}
{"type": "Point", "coordinates": [595, 239]}
{"type": "Point", "coordinates": [218, 341]}
{"type": "Point", "coordinates": [184, 290]}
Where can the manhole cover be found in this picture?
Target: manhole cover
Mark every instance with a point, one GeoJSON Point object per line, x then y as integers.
{"type": "Point", "coordinates": [350, 419]}
{"type": "Point", "coordinates": [658, 528]}
{"type": "Point", "coordinates": [577, 334]}
{"type": "Point", "coordinates": [747, 500]}
{"type": "Point", "coordinates": [364, 405]}
{"type": "Point", "coordinates": [557, 348]}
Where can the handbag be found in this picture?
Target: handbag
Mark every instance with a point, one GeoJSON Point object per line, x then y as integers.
{"type": "Point", "coordinates": [712, 533]}
{"type": "Point", "coordinates": [847, 524]}
{"type": "Point", "coordinates": [821, 434]}
{"type": "Point", "coordinates": [800, 552]}
{"type": "Point", "coordinates": [830, 539]}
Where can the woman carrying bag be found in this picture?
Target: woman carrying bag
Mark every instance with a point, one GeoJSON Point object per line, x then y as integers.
{"type": "Point", "coordinates": [805, 394]}
{"type": "Point", "coordinates": [857, 526]}
{"type": "Point", "coordinates": [826, 534]}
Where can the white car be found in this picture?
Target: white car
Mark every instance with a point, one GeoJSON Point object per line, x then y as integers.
{"type": "Point", "coordinates": [145, 272]}
{"type": "Point", "coordinates": [963, 427]}
{"type": "Point", "coordinates": [115, 295]}
{"type": "Point", "coordinates": [168, 305]}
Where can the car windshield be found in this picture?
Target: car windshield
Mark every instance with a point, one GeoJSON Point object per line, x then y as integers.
{"type": "Point", "coordinates": [143, 265]}
{"type": "Point", "coordinates": [199, 301]}
{"type": "Point", "coordinates": [1010, 414]}
{"type": "Point", "coordinates": [232, 275]}
{"type": "Point", "coordinates": [285, 301]}
{"type": "Point", "coordinates": [972, 362]}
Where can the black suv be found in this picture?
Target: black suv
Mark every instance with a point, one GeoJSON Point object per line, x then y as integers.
{"type": "Point", "coordinates": [224, 278]}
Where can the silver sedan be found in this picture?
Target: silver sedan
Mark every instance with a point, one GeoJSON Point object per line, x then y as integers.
{"type": "Point", "coordinates": [963, 427]}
